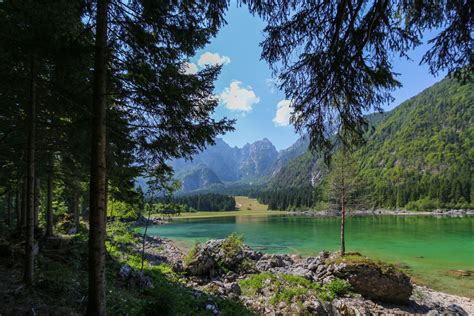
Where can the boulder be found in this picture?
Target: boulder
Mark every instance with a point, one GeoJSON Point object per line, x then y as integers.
{"type": "Point", "coordinates": [232, 289]}
{"type": "Point", "coordinates": [214, 257]}
{"type": "Point", "coordinates": [375, 281]}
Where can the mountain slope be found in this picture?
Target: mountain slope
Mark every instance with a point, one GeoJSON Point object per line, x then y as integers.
{"type": "Point", "coordinates": [423, 150]}
{"type": "Point", "coordinates": [199, 177]}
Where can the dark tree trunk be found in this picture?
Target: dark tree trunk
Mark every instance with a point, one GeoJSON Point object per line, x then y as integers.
{"type": "Point", "coordinates": [97, 217]}
{"type": "Point", "coordinates": [30, 181]}
{"type": "Point", "coordinates": [75, 208]}
{"type": "Point", "coordinates": [23, 206]}
{"type": "Point", "coordinates": [49, 206]}
{"type": "Point", "coordinates": [9, 208]}
{"type": "Point", "coordinates": [18, 208]}
{"type": "Point", "coordinates": [37, 202]}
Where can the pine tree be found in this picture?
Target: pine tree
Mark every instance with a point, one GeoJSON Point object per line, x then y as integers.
{"type": "Point", "coordinates": [342, 186]}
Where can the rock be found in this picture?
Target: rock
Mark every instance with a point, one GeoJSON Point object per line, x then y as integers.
{"type": "Point", "coordinates": [382, 283]}
{"type": "Point", "coordinates": [269, 261]}
{"type": "Point", "coordinates": [320, 269]}
{"type": "Point", "coordinates": [212, 258]}
{"type": "Point", "coordinates": [125, 271]}
{"type": "Point", "coordinates": [145, 281]}
{"type": "Point", "coordinates": [233, 289]}
{"type": "Point", "coordinates": [212, 308]}
{"type": "Point", "coordinates": [282, 305]}
{"type": "Point", "coordinates": [177, 266]}
{"type": "Point", "coordinates": [72, 231]}
{"type": "Point", "coordinates": [323, 255]}
{"type": "Point", "coordinates": [313, 264]}
{"type": "Point", "coordinates": [350, 307]}
{"type": "Point", "coordinates": [231, 276]}
{"type": "Point", "coordinates": [302, 272]}
{"type": "Point", "coordinates": [314, 307]}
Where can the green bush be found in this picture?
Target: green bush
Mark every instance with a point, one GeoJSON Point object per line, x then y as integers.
{"type": "Point", "coordinates": [422, 205]}
{"type": "Point", "coordinates": [191, 253]}
{"type": "Point", "coordinates": [333, 289]}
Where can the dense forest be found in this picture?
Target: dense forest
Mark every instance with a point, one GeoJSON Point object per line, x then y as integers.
{"type": "Point", "coordinates": [211, 202]}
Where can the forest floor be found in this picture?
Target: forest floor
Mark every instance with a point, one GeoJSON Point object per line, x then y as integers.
{"type": "Point", "coordinates": [60, 286]}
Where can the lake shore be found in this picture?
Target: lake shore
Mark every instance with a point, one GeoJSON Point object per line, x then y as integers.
{"type": "Point", "coordinates": [422, 301]}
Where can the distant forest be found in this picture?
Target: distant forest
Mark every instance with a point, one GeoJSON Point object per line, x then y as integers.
{"type": "Point", "coordinates": [211, 202]}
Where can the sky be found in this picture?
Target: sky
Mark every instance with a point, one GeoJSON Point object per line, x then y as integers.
{"type": "Point", "coordinates": [245, 85]}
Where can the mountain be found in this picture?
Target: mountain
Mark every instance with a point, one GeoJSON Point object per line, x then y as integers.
{"type": "Point", "coordinates": [251, 163]}
{"type": "Point", "coordinates": [199, 177]}
{"type": "Point", "coordinates": [257, 159]}
{"type": "Point", "coordinates": [292, 152]}
{"type": "Point", "coordinates": [420, 152]}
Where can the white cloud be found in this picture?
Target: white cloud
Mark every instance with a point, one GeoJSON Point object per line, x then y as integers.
{"type": "Point", "coordinates": [189, 68]}
{"type": "Point", "coordinates": [283, 113]}
{"type": "Point", "coordinates": [237, 98]}
{"type": "Point", "coordinates": [212, 59]}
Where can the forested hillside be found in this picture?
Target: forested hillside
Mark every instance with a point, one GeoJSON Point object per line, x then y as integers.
{"type": "Point", "coordinates": [420, 155]}
{"type": "Point", "coordinates": [424, 151]}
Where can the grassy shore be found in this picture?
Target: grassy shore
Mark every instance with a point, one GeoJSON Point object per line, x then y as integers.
{"type": "Point", "coordinates": [245, 207]}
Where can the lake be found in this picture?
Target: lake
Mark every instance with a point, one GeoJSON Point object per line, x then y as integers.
{"type": "Point", "coordinates": [430, 249]}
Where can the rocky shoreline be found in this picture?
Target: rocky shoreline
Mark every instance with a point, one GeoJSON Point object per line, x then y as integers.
{"type": "Point", "coordinates": [382, 212]}
{"type": "Point", "coordinates": [218, 267]}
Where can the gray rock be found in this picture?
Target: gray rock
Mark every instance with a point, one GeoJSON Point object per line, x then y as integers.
{"type": "Point", "coordinates": [233, 288]}
{"type": "Point", "coordinates": [212, 308]}
{"type": "Point", "coordinates": [314, 307]}
{"type": "Point", "coordinates": [372, 281]}
{"type": "Point", "coordinates": [269, 261]}
{"type": "Point", "coordinates": [302, 272]}
{"type": "Point", "coordinates": [125, 271]}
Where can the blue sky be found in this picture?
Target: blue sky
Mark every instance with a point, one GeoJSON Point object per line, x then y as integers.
{"type": "Point", "coordinates": [245, 89]}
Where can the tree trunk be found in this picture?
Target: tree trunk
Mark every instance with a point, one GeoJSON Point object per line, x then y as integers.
{"type": "Point", "coordinates": [343, 242]}
{"type": "Point", "coordinates": [23, 206]}
{"type": "Point", "coordinates": [144, 238]}
{"type": "Point", "coordinates": [18, 208]}
{"type": "Point", "coordinates": [343, 206]}
{"type": "Point", "coordinates": [49, 206]}
{"type": "Point", "coordinates": [97, 218]}
{"type": "Point", "coordinates": [37, 203]}
{"type": "Point", "coordinates": [9, 208]}
{"type": "Point", "coordinates": [30, 181]}
{"type": "Point", "coordinates": [75, 209]}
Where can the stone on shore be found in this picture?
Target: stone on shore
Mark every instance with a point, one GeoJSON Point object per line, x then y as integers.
{"type": "Point", "coordinates": [374, 280]}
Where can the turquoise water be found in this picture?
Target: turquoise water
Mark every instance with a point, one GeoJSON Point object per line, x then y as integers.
{"type": "Point", "coordinates": [429, 248]}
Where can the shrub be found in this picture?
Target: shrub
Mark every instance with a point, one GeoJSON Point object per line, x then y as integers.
{"type": "Point", "coordinates": [333, 289]}
{"type": "Point", "coordinates": [191, 253]}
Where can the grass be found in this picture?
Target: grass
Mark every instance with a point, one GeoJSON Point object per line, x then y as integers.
{"type": "Point", "coordinates": [245, 207]}
{"type": "Point", "coordinates": [288, 288]}
{"type": "Point", "coordinates": [358, 259]}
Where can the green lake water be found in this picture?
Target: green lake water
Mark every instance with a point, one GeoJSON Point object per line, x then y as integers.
{"type": "Point", "coordinates": [428, 248]}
